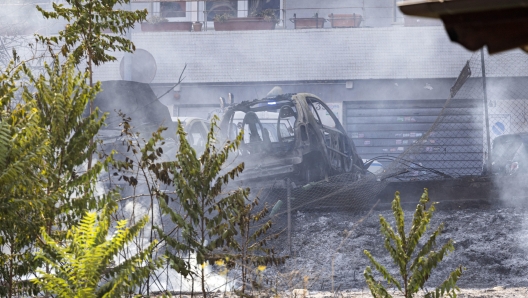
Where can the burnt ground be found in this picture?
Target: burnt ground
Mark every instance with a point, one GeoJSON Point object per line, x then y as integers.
{"type": "Point", "coordinates": [490, 234]}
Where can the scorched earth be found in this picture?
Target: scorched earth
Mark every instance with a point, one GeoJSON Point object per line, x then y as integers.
{"type": "Point", "coordinates": [491, 243]}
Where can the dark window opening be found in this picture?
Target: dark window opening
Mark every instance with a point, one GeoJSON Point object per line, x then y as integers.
{"type": "Point", "coordinates": [257, 6]}
{"type": "Point", "coordinates": [173, 9]}
{"type": "Point", "coordinates": [214, 8]}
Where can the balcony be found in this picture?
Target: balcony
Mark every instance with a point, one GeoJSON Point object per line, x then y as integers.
{"type": "Point", "coordinates": [288, 15]}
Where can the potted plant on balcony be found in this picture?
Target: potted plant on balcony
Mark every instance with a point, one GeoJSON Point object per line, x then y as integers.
{"type": "Point", "coordinates": [345, 20]}
{"type": "Point", "coordinates": [197, 26]}
{"type": "Point", "coordinates": [265, 20]}
{"type": "Point", "coordinates": [157, 24]}
{"type": "Point", "coordinates": [308, 23]}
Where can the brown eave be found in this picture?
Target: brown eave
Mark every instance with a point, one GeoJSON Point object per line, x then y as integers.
{"type": "Point", "coordinates": [498, 24]}
{"type": "Point", "coordinates": [435, 8]}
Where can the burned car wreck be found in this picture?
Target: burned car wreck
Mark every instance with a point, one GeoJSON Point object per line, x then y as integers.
{"type": "Point", "coordinates": [292, 136]}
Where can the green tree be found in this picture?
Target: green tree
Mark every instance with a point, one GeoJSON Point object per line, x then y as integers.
{"type": "Point", "coordinates": [85, 36]}
{"type": "Point", "coordinates": [83, 264]}
{"type": "Point", "coordinates": [207, 221]}
{"type": "Point", "coordinates": [61, 96]}
{"type": "Point", "coordinates": [249, 251]}
{"type": "Point", "coordinates": [45, 142]}
{"type": "Point", "coordinates": [203, 220]}
{"type": "Point", "coordinates": [23, 143]}
{"type": "Point", "coordinates": [415, 266]}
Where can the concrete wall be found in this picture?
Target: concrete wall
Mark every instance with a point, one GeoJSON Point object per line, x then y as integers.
{"type": "Point", "coordinates": [298, 55]}
{"type": "Point", "coordinates": [198, 100]}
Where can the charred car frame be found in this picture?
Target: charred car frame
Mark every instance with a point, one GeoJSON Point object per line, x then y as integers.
{"type": "Point", "coordinates": [293, 136]}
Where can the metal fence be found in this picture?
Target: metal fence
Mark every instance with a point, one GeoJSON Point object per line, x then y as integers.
{"type": "Point", "coordinates": [487, 100]}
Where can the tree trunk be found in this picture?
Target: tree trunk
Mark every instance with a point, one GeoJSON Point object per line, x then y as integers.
{"type": "Point", "coordinates": [203, 242]}
{"type": "Point", "coordinates": [91, 108]}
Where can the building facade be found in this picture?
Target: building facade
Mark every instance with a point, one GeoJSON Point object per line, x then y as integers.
{"type": "Point", "coordinates": [397, 70]}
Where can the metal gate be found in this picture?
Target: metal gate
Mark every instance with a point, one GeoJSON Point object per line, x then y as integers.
{"type": "Point", "coordinates": [388, 128]}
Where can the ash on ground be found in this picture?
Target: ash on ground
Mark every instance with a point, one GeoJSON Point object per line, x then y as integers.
{"type": "Point", "coordinates": [327, 251]}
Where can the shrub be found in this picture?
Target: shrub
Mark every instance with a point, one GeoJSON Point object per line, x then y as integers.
{"type": "Point", "coordinates": [223, 17]}
{"type": "Point", "coordinates": [82, 265]}
{"type": "Point", "coordinates": [414, 267]}
{"type": "Point", "coordinates": [207, 216]}
{"type": "Point", "coordinates": [267, 14]}
{"type": "Point", "coordinates": [44, 143]}
{"type": "Point", "coordinates": [250, 251]}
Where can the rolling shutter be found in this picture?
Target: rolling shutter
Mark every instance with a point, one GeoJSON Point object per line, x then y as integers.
{"type": "Point", "coordinates": [388, 128]}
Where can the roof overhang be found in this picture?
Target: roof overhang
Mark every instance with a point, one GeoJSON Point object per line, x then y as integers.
{"type": "Point", "coordinates": [498, 24]}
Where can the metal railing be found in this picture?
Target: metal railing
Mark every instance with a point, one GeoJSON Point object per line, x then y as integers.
{"type": "Point", "coordinates": [286, 17]}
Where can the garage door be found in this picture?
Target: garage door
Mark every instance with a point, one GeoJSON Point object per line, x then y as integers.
{"type": "Point", "coordinates": [387, 128]}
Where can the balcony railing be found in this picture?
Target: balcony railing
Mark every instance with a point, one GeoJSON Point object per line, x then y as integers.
{"type": "Point", "coordinates": [287, 17]}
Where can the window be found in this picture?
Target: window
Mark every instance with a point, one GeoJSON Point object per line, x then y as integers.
{"type": "Point", "coordinates": [173, 9]}
{"type": "Point", "coordinates": [252, 133]}
{"type": "Point", "coordinates": [314, 113]}
{"type": "Point", "coordinates": [257, 6]}
{"type": "Point", "coordinates": [321, 114]}
{"type": "Point", "coordinates": [219, 7]}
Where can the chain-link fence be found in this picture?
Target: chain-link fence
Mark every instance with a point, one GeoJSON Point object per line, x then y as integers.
{"type": "Point", "coordinates": [487, 101]}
